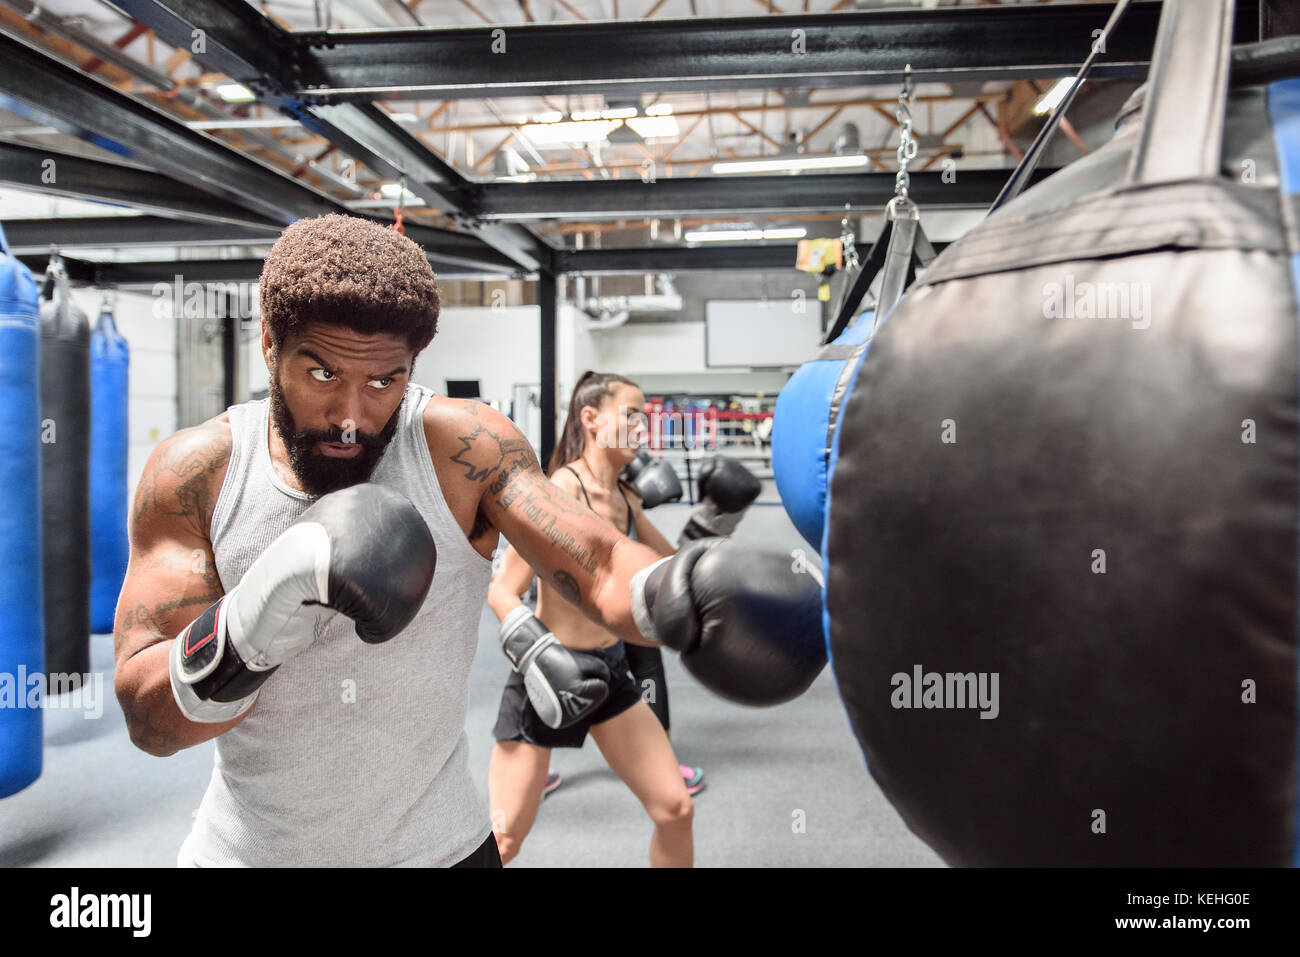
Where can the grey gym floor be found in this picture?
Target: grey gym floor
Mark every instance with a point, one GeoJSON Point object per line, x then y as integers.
{"type": "Point", "coordinates": [100, 802]}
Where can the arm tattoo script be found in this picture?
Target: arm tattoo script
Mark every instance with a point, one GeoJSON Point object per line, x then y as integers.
{"type": "Point", "coordinates": [541, 511]}
{"type": "Point", "coordinates": [506, 464]}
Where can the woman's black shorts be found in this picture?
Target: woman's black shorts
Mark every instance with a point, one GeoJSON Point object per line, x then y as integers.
{"type": "Point", "coordinates": [517, 720]}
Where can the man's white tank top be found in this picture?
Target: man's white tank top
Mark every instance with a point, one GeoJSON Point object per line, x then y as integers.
{"type": "Point", "coordinates": [355, 754]}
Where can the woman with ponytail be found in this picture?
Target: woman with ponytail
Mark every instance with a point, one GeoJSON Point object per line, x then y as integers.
{"type": "Point", "coordinates": [601, 435]}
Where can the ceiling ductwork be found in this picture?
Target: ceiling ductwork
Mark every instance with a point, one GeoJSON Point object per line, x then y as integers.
{"type": "Point", "coordinates": [607, 320]}
{"type": "Point", "coordinates": [610, 312]}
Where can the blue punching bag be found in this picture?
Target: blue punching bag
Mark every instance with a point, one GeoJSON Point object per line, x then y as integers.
{"type": "Point", "coordinates": [109, 362]}
{"type": "Point", "coordinates": [804, 425]}
{"type": "Point", "coordinates": [22, 630]}
{"type": "Point", "coordinates": [808, 408]}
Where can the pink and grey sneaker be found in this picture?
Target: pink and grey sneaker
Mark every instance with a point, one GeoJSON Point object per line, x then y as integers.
{"type": "Point", "coordinates": [694, 778]}
{"type": "Point", "coordinates": [553, 781]}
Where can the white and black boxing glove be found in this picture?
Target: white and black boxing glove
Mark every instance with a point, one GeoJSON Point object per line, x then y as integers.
{"type": "Point", "coordinates": [563, 685]}
{"type": "Point", "coordinates": [727, 489]}
{"type": "Point", "coordinates": [747, 621]}
{"type": "Point", "coordinates": [363, 552]}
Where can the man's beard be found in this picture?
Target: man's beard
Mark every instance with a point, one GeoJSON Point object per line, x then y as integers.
{"type": "Point", "coordinates": [321, 474]}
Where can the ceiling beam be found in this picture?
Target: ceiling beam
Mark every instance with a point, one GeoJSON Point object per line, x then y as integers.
{"type": "Point", "coordinates": [672, 259]}
{"type": "Point", "coordinates": [79, 177]}
{"type": "Point", "coordinates": [684, 196]}
{"type": "Point", "coordinates": [743, 108]}
{"type": "Point", "coordinates": [810, 50]}
{"type": "Point", "coordinates": [149, 136]}
{"type": "Point", "coordinates": [123, 232]}
{"type": "Point", "coordinates": [649, 259]}
{"type": "Point", "coordinates": [215, 221]}
{"type": "Point", "coordinates": [129, 275]}
{"type": "Point", "coordinates": [252, 50]}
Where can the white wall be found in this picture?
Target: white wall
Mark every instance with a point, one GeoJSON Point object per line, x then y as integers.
{"type": "Point", "coordinates": [642, 347]}
{"type": "Point", "coordinates": [668, 357]}
{"type": "Point", "coordinates": [151, 375]}
{"type": "Point", "coordinates": [757, 383]}
{"type": "Point", "coordinates": [499, 347]}
{"type": "Point", "coordinates": [575, 353]}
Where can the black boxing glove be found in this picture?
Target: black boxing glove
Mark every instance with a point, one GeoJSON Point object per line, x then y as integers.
{"type": "Point", "coordinates": [747, 621]}
{"type": "Point", "coordinates": [363, 552]}
{"type": "Point", "coordinates": [708, 521]}
{"type": "Point", "coordinates": [657, 483]}
{"type": "Point", "coordinates": [630, 471]}
{"type": "Point", "coordinates": [728, 484]}
{"type": "Point", "coordinates": [563, 685]}
{"type": "Point", "coordinates": [727, 489]}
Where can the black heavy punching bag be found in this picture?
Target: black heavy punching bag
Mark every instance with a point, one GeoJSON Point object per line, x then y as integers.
{"type": "Point", "coordinates": [65, 485]}
{"type": "Point", "coordinates": [1062, 557]}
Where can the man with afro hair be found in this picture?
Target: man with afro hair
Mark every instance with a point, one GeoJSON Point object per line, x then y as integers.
{"type": "Point", "coordinates": [240, 614]}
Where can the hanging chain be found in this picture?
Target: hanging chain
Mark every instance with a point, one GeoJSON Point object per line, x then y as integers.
{"type": "Point", "coordinates": [907, 145]}
{"type": "Point", "coordinates": [847, 241]}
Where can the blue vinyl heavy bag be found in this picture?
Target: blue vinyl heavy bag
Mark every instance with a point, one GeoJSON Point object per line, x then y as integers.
{"type": "Point", "coordinates": [803, 426]}
{"type": "Point", "coordinates": [109, 362]}
{"type": "Point", "coordinates": [22, 634]}
{"type": "Point", "coordinates": [65, 479]}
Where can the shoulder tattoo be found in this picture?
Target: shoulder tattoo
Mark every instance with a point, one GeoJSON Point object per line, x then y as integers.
{"type": "Point", "coordinates": [485, 456]}
{"type": "Point", "coordinates": [190, 464]}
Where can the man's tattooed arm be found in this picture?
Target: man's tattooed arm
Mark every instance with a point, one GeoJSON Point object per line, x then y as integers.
{"type": "Point", "coordinates": [184, 475]}
{"type": "Point", "coordinates": [586, 559]}
{"type": "Point", "coordinates": [171, 577]}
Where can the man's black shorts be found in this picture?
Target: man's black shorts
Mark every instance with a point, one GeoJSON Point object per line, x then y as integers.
{"type": "Point", "coordinates": [517, 720]}
{"type": "Point", "coordinates": [487, 855]}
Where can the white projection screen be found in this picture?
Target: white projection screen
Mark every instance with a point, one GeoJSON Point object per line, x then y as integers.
{"type": "Point", "coordinates": [756, 334]}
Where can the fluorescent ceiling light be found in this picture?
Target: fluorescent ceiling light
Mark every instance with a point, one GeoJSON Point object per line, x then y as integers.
{"type": "Point", "coordinates": [654, 127]}
{"type": "Point", "coordinates": [403, 117]}
{"type": "Point", "coordinates": [622, 113]}
{"type": "Point", "coordinates": [1053, 97]}
{"type": "Point", "coordinates": [553, 116]}
{"type": "Point", "coordinates": [659, 109]}
{"type": "Point", "coordinates": [266, 123]}
{"type": "Point", "coordinates": [791, 165]}
{"type": "Point", "coordinates": [732, 235]}
{"type": "Point", "coordinates": [381, 203]}
{"type": "Point", "coordinates": [394, 190]}
{"type": "Point", "coordinates": [559, 134]}
{"type": "Point", "coordinates": [235, 93]}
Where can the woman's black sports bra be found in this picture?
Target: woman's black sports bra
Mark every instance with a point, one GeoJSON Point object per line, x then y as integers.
{"type": "Point", "coordinates": [631, 525]}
